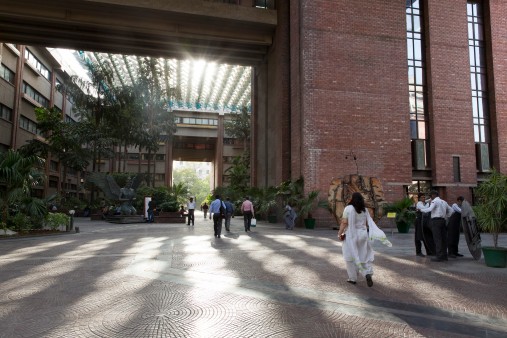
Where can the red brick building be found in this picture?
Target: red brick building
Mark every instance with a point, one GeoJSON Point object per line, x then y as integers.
{"type": "Point", "coordinates": [414, 89]}
{"type": "Point", "coordinates": [443, 126]}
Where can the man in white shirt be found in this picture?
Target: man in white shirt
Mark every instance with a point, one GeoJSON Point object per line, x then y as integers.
{"type": "Point", "coordinates": [191, 209]}
{"type": "Point", "coordinates": [453, 229]}
{"type": "Point", "coordinates": [439, 211]}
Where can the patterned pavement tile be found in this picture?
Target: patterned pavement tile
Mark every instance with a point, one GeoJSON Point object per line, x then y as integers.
{"type": "Point", "coordinates": [170, 280]}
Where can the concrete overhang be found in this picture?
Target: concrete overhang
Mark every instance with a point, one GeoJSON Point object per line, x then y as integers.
{"type": "Point", "coordinates": [225, 33]}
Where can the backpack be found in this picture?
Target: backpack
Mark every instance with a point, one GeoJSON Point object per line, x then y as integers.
{"type": "Point", "coordinates": [222, 209]}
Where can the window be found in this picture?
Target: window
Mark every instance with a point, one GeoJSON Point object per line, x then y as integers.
{"type": "Point", "coordinates": [38, 97]}
{"type": "Point", "coordinates": [6, 73]}
{"type": "Point", "coordinates": [196, 121]}
{"type": "Point", "coordinates": [29, 125]}
{"type": "Point", "coordinates": [160, 157]}
{"type": "Point", "coordinates": [43, 70]}
{"type": "Point", "coordinates": [133, 156]}
{"type": "Point", "coordinates": [478, 81]}
{"type": "Point", "coordinates": [268, 4]}
{"type": "Point", "coordinates": [5, 112]}
{"type": "Point", "coordinates": [417, 86]}
{"type": "Point", "coordinates": [53, 165]}
{"type": "Point", "coordinates": [418, 187]}
{"type": "Point", "coordinates": [456, 169]}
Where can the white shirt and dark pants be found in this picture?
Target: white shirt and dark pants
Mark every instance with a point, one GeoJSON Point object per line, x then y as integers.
{"type": "Point", "coordinates": [453, 231]}
{"type": "Point", "coordinates": [191, 209]}
{"type": "Point", "coordinates": [439, 210]}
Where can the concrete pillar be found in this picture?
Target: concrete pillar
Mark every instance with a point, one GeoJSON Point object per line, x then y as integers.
{"type": "Point", "coordinates": [219, 151]}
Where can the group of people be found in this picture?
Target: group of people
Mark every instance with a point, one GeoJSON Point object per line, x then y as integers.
{"type": "Point", "coordinates": [220, 210]}
{"type": "Point", "coordinates": [357, 231]}
{"type": "Point", "coordinates": [444, 222]}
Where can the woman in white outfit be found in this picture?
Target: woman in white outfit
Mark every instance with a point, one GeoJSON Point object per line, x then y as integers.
{"type": "Point", "coordinates": [357, 250]}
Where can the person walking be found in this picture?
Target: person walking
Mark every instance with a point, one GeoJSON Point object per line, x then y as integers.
{"type": "Point", "coordinates": [190, 210]}
{"type": "Point", "coordinates": [204, 209]}
{"type": "Point", "coordinates": [229, 212]}
{"type": "Point", "coordinates": [357, 229]}
{"type": "Point", "coordinates": [453, 229]}
{"type": "Point", "coordinates": [289, 217]}
{"type": "Point", "coordinates": [439, 211]}
{"type": "Point", "coordinates": [418, 237]}
{"type": "Point", "coordinates": [151, 212]}
{"type": "Point", "coordinates": [247, 209]}
{"type": "Point", "coordinates": [214, 209]}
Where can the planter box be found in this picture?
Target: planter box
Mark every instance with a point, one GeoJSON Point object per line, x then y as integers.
{"type": "Point", "coordinates": [170, 217]}
{"type": "Point", "coordinates": [495, 257]}
{"type": "Point", "coordinates": [309, 223]}
{"type": "Point", "coordinates": [403, 227]}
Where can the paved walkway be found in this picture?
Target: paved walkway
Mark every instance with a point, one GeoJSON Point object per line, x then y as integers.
{"type": "Point", "coordinates": [172, 280]}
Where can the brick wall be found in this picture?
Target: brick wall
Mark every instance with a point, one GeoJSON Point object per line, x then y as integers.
{"type": "Point", "coordinates": [449, 93]}
{"type": "Point", "coordinates": [354, 92]}
{"type": "Point", "coordinates": [498, 82]}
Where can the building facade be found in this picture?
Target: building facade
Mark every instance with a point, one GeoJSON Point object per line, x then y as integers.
{"type": "Point", "coordinates": [412, 89]}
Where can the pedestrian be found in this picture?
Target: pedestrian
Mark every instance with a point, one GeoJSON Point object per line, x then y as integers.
{"type": "Point", "coordinates": [247, 209]}
{"type": "Point", "coordinates": [229, 212]}
{"type": "Point", "coordinates": [151, 212]}
{"type": "Point", "coordinates": [190, 210]}
{"type": "Point", "coordinates": [418, 237]}
{"type": "Point", "coordinates": [453, 229]}
{"type": "Point", "coordinates": [182, 211]}
{"type": "Point", "coordinates": [214, 210]}
{"type": "Point", "coordinates": [204, 209]}
{"type": "Point", "coordinates": [289, 217]}
{"type": "Point", "coordinates": [439, 211]}
{"type": "Point", "coordinates": [357, 230]}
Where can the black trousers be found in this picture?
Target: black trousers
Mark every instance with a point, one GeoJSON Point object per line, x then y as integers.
{"type": "Point", "coordinates": [453, 233]}
{"type": "Point", "coordinates": [191, 216]}
{"type": "Point", "coordinates": [217, 224]}
{"type": "Point", "coordinates": [418, 237]}
{"type": "Point", "coordinates": [247, 219]}
{"type": "Point", "coordinates": [439, 229]}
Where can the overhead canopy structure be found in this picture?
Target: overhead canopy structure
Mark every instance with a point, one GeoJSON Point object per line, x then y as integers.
{"type": "Point", "coordinates": [202, 85]}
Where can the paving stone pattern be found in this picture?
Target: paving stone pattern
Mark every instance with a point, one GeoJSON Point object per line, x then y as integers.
{"type": "Point", "coordinates": [174, 280]}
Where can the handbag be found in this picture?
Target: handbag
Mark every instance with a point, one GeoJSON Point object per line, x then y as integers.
{"type": "Point", "coordinates": [253, 222]}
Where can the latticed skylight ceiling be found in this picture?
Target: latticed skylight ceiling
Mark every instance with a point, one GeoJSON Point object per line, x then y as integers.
{"type": "Point", "coordinates": [202, 85]}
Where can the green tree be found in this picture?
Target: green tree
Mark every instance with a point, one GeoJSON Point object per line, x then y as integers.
{"type": "Point", "coordinates": [239, 126]}
{"type": "Point", "coordinates": [18, 175]}
{"type": "Point", "coordinates": [198, 187]}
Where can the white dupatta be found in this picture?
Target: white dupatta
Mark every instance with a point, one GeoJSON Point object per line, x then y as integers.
{"type": "Point", "coordinates": [374, 234]}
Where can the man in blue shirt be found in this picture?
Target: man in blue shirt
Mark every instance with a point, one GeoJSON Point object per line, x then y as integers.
{"type": "Point", "coordinates": [214, 209]}
{"type": "Point", "coordinates": [229, 211]}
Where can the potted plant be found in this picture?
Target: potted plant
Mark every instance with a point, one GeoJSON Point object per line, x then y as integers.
{"type": "Point", "coordinates": [305, 207]}
{"type": "Point", "coordinates": [405, 217]}
{"type": "Point", "coordinates": [491, 214]}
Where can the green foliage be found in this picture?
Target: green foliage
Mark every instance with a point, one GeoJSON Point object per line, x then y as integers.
{"type": "Point", "coordinates": [161, 196]}
{"type": "Point", "coordinates": [198, 187]}
{"type": "Point", "coordinates": [239, 125]}
{"type": "Point", "coordinates": [239, 173]}
{"type": "Point", "coordinates": [18, 175]}
{"type": "Point", "coordinates": [21, 222]}
{"type": "Point", "coordinates": [265, 201]}
{"type": "Point", "coordinates": [170, 206]}
{"type": "Point", "coordinates": [55, 220]}
{"type": "Point", "coordinates": [491, 209]}
{"type": "Point", "coordinates": [401, 208]}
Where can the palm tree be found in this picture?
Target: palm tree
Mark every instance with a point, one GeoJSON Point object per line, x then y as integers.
{"type": "Point", "coordinates": [18, 175]}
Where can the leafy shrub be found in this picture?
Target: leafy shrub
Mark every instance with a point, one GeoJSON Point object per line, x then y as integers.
{"type": "Point", "coordinates": [21, 222]}
{"type": "Point", "coordinates": [171, 206]}
{"type": "Point", "coordinates": [55, 220]}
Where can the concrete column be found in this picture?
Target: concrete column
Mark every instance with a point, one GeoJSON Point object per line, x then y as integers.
{"type": "Point", "coordinates": [169, 163]}
{"type": "Point", "coordinates": [18, 92]}
{"type": "Point", "coordinates": [219, 151]}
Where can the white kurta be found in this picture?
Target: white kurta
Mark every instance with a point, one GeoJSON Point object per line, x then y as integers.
{"type": "Point", "coordinates": [357, 250]}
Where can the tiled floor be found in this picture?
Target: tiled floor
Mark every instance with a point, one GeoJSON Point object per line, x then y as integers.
{"type": "Point", "coordinates": [174, 280]}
